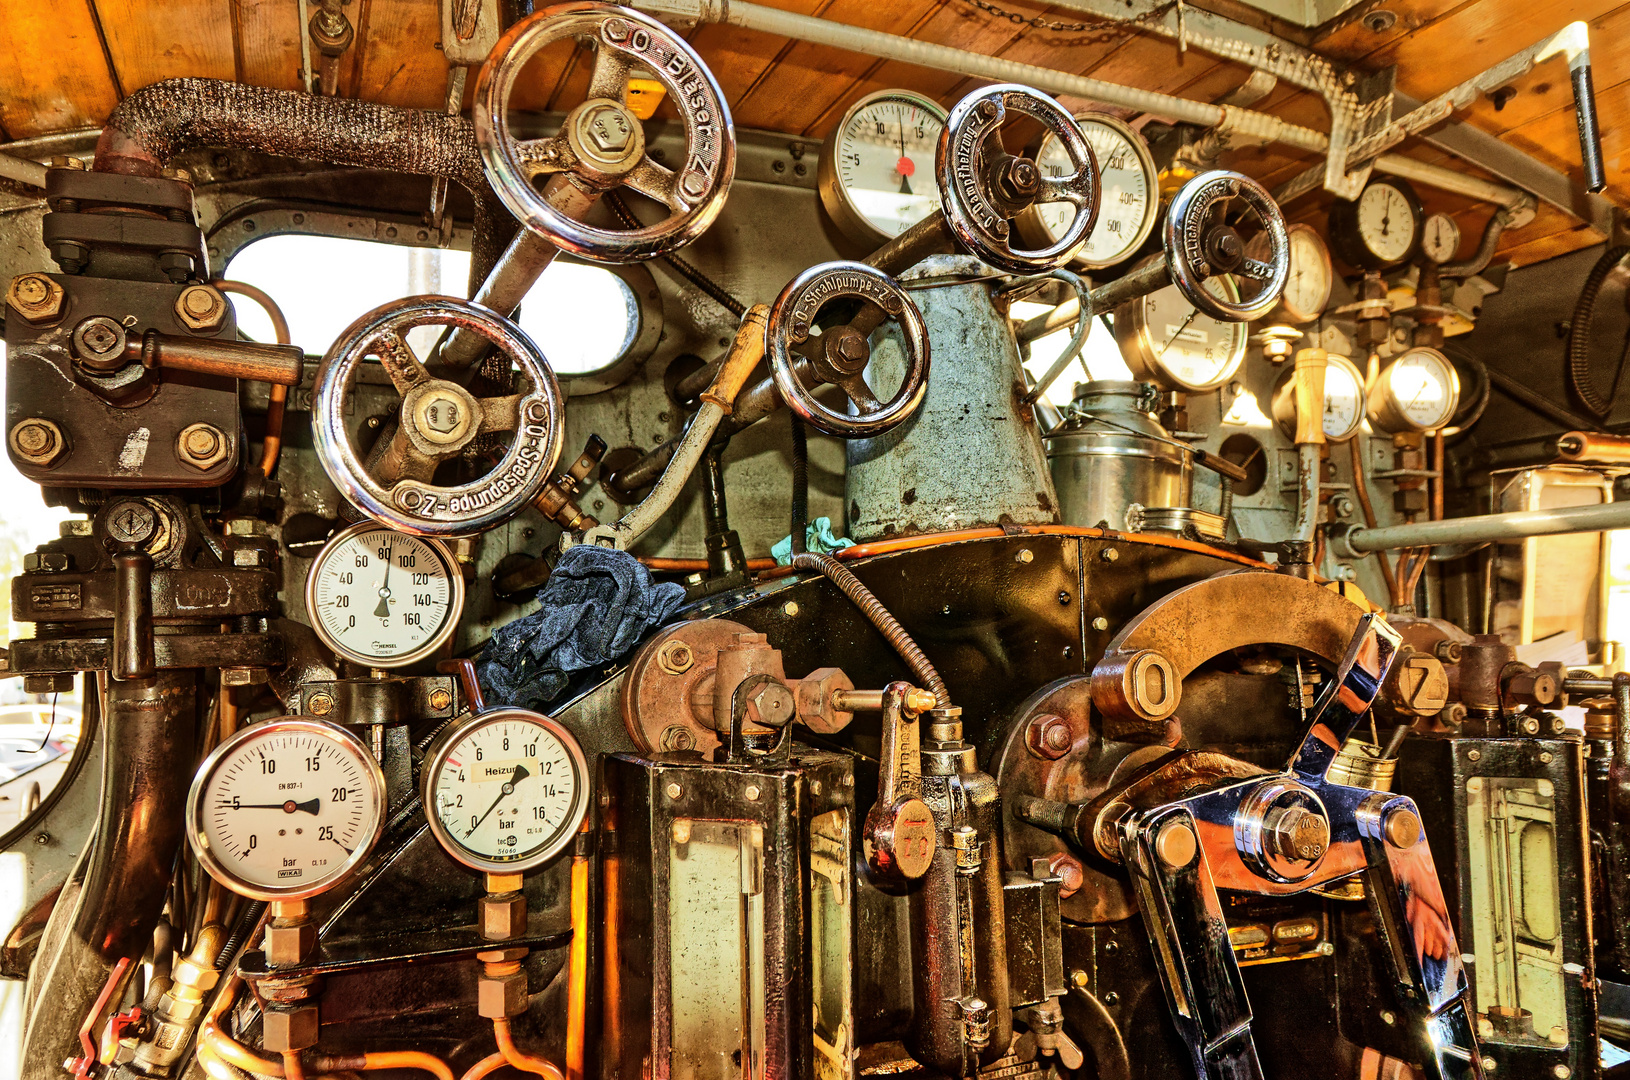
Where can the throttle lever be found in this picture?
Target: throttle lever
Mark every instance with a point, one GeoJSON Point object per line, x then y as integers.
{"type": "Point", "coordinates": [899, 835]}
{"type": "Point", "coordinates": [1573, 41]}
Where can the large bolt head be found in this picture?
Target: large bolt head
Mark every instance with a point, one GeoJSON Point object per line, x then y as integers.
{"type": "Point", "coordinates": [286, 946]}
{"type": "Point", "coordinates": [201, 307]}
{"type": "Point", "coordinates": [1048, 737]}
{"type": "Point", "coordinates": [289, 1028]}
{"type": "Point", "coordinates": [202, 446]}
{"type": "Point", "coordinates": [37, 442]}
{"type": "Point", "coordinates": [35, 297]}
{"type": "Point", "coordinates": [130, 521]}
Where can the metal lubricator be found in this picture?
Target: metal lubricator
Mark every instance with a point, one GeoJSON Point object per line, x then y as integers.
{"type": "Point", "coordinates": [803, 352]}
{"type": "Point", "coordinates": [1281, 834]}
{"type": "Point", "coordinates": [439, 420]}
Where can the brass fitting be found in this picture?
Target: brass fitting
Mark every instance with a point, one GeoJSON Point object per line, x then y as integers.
{"type": "Point", "coordinates": [36, 298]}
{"type": "Point", "coordinates": [503, 917]}
{"type": "Point", "coordinates": [287, 1027]}
{"type": "Point", "coordinates": [817, 695]}
{"type": "Point", "coordinates": [501, 989]}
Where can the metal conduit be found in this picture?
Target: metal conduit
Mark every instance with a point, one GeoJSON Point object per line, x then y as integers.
{"type": "Point", "coordinates": [787, 24]}
{"type": "Point", "coordinates": [1485, 528]}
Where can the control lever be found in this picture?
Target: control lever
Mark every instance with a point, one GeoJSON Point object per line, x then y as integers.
{"type": "Point", "coordinates": [102, 345]}
{"type": "Point", "coordinates": [899, 836]}
{"type": "Point", "coordinates": [128, 525]}
{"type": "Point", "coordinates": [1282, 834]}
{"type": "Point", "coordinates": [1574, 42]}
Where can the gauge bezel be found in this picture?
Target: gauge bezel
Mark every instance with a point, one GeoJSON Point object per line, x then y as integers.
{"type": "Point", "coordinates": [1382, 407]}
{"type": "Point", "coordinates": [1035, 232]}
{"type": "Point", "coordinates": [1138, 348]}
{"type": "Point", "coordinates": [840, 206]}
{"type": "Point", "coordinates": [1283, 400]}
{"type": "Point", "coordinates": [455, 598]}
{"type": "Point", "coordinates": [1292, 313]}
{"type": "Point", "coordinates": [198, 839]}
{"type": "Point", "coordinates": [436, 760]}
{"type": "Point", "coordinates": [1348, 241]}
{"type": "Point", "coordinates": [1454, 249]}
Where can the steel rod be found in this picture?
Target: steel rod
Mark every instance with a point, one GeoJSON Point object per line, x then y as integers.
{"type": "Point", "coordinates": [1485, 528]}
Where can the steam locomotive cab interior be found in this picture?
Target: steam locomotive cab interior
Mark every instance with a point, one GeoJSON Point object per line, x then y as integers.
{"type": "Point", "coordinates": [801, 540]}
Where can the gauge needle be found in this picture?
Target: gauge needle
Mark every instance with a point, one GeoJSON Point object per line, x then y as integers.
{"type": "Point", "coordinates": [516, 777]}
{"type": "Point", "coordinates": [905, 165]}
{"type": "Point", "coordinates": [1179, 331]}
{"type": "Point", "coordinates": [310, 806]}
{"type": "Point", "coordinates": [383, 611]}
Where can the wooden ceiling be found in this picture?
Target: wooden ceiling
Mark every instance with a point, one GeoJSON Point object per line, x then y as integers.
{"type": "Point", "coordinates": [64, 64]}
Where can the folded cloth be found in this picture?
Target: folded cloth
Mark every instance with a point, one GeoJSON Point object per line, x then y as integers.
{"type": "Point", "coordinates": [596, 606]}
{"type": "Point", "coordinates": [818, 538]}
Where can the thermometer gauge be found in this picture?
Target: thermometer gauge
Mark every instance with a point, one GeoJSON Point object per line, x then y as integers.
{"type": "Point", "coordinates": [1381, 228]}
{"type": "Point", "coordinates": [505, 791]}
{"type": "Point", "coordinates": [876, 175]}
{"type": "Point", "coordinates": [384, 598]}
{"type": "Point", "coordinates": [1166, 340]}
{"type": "Point", "coordinates": [1343, 400]}
{"type": "Point", "coordinates": [1440, 238]}
{"type": "Point", "coordinates": [1416, 392]}
{"type": "Point", "coordinates": [1130, 201]}
{"type": "Point", "coordinates": [284, 809]}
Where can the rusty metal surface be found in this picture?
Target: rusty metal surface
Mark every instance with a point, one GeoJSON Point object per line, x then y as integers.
{"type": "Point", "coordinates": [655, 698]}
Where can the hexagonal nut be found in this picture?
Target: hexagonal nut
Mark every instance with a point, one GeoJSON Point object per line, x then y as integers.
{"type": "Point", "coordinates": [46, 562]}
{"type": "Point", "coordinates": [286, 946]}
{"type": "Point", "coordinates": [195, 975]}
{"type": "Point", "coordinates": [500, 997]}
{"type": "Point", "coordinates": [48, 684]}
{"type": "Point", "coordinates": [1048, 737]}
{"type": "Point", "coordinates": [675, 657]}
{"type": "Point", "coordinates": [1533, 686]}
{"type": "Point", "coordinates": [36, 298]}
{"type": "Point", "coordinates": [251, 557]}
{"type": "Point", "coordinates": [772, 704]}
{"type": "Point", "coordinates": [503, 918]}
{"type": "Point", "coordinates": [289, 1028]}
{"type": "Point", "coordinates": [201, 307]}
{"type": "Point", "coordinates": [37, 441]}
{"type": "Point", "coordinates": [245, 676]}
{"type": "Point", "coordinates": [202, 446]}
{"type": "Point", "coordinates": [814, 698]}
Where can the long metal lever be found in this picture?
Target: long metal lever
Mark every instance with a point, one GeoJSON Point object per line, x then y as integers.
{"type": "Point", "coordinates": [1573, 41]}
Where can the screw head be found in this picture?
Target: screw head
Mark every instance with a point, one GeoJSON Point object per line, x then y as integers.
{"type": "Point", "coordinates": [201, 307]}
{"type": "Point", "coordinates": [1070, 873]}
{"type": "Point", "coordinates": [677, 737]}
{"type": "Point", "coordinates": [1025, 556]}
{"type": "Point", "coordinates": [790, 608]}
{"type": "Point", "coordinates": [1100, 623]}
{"type": "Point", "coordinates": [1109, 554]}
{"type": "Point", "coordinates": [321, 703]}
{"type": "Point", "coordinates": [130, 521]}
{"type": "Point", "coordinates": [37, 442]}
{"type": "Point", "coordinates": [35, 297]}
{"type": "Point", "coordinates": [673, 790]}
{"type": "Point", "coordinates": [752, 793]}
{"type": "Point", "coordinates": [202, 446]}
{"type": "Point", "coordinates": [675, 657]}
{"type": "Point", "coordinates": [440, 699]}
{"type": "Point", "coordinates": [1176, 844]}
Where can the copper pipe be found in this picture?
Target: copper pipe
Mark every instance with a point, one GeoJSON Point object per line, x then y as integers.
{"type": "Point", "coordinates": [234, 1052]}
{"type": "Point", "coordinates": [519, 1059]}
{"type": "Point", "coordinates": [577, 961]}
{"type": "Point", "coordinates": [1437, 483]}
{"type": "Point", "coordinates": [489, 1064]}
{"type": "Point", "coordinates": [1593, 447]}
{"type": "Point", "coordinates": [390, 1059]}
{"type": "Point", "coordinates": [292, 1069]}
{"type": "Point", "coordinates": [273, 444]}
{"type": "Point", "coordinates": [690, 566]}
{"type": "Point", "coordinates": [216, 1067]}
{"type": "Point", "coordinates": [1362, 490]}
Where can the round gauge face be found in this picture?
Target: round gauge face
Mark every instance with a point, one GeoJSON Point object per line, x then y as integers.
{"type": "Point", "coordinates": [1126, 172]}
{"type": "Point", "coordinates": [286, 808]}
{"type": "Point", "coordinates": [1183, 348]}
{"type": "Point", "coordinates": [1307, 286]}
{"type": "Point", "coordinates": [1387, 222]}
{"type": "Point", "coordinates": [1422, 389]}
{"type": "Point", "coordinates": [1343, 399]}
{"type": "Point", "coordinates": [506, 791]}
{"type": "Point", "coordinates": [384, 598]}
{"type": "Point", "coordinates": [1440, 238]}
{"type": "Point", "coordinates": [877, 168]}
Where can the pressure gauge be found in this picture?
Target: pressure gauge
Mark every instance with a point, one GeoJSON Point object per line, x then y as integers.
{"type": "Point", "coordinates": [1381, 228]}
{"type": "Point", "coordinates": [505, 791]}
{"type": "Point", "coordinates": [1309, 281]}
{"type": "Point", "coordinates": [1416, 392]}
{"type": "Point", "coordinates": [286, 808]}
{"type": "Point", "coordinates": [1440, 238]}
{"type": "Point", "coordinates": [1130, 202]}
{"type": "Point", "coordinates": [384, 598]}
{"type": "Point", "coordinates": [1166, 340]}
{"type": "Point", "coordinates": [1343, 410]}
{"type": "Point", "coordinates": [876, 175]}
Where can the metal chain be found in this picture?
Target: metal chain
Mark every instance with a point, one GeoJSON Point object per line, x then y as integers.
{"type": "Point", "coordinates": [1109, 29]}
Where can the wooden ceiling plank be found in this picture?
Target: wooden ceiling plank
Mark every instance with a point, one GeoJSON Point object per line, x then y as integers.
{"type": "Point", "coordinates": [74, 90]}
{"type": "Point", "coordinates": [1547, 89]}
{"type": "Point", "coordinates": [269, 37]}
{"type": "Point", "coordinates": [1352, 41]}
{"type": "Point", "coordinates": [152, 42]}
{"type": "Point", "coordinates": [401, 64]}
{"type": "Point", "coordinates": [737, 57]}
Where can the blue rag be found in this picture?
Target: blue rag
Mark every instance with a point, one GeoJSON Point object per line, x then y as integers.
{"type": "Point", "coordinates": [818, 537]}
{"type": "Point", "coordinates": [596, 606]}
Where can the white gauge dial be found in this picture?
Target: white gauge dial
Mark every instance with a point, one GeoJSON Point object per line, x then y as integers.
{"type": "Point", "coordinates": [384, 598]}
{"type": "Point", "coordinates": [1416, 392]}
{"type": "Point", "coordinates": [1387, 222]}
{"type": "Point", "coordinates": [1307, 286]}
{"type": "Point", "coordinates": [1343, 399]}
{"type": "Point", "coordinates": [506, 791]}
{"type": "Point", "coordinates": [1440, 238]}
{"type": "Point", "coordinates": [1128, 207]}
{"type": "Point", "coordinates": [286, 808]}
{"type": "Point", "coordinates": [877, 167]}
{"type": "Point", "coordinates": [1171, 342]}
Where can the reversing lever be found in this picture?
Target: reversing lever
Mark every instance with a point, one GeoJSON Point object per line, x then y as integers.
{"type": "Point", "coordinates": [1573, 41]}
{"type": "Point", "coordinates": [899, 835]}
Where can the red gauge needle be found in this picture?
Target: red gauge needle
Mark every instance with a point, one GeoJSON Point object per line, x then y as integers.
{"type": "Point", "coordinates": [905, 166]}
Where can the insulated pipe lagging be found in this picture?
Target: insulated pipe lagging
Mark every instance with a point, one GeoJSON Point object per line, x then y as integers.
{"type": "Point", "coordinates": [1488, 528]}
{"type": "Point", "coordinates": [157, 122]}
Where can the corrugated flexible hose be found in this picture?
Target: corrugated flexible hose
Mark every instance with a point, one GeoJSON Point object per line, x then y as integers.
{"type": "Point", "coordinates": [1584, 312]}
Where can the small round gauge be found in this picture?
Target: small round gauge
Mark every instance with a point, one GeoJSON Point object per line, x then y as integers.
{"type": "Point", "coordinates": [1166, 340]}
{"type": "Point", "coordinates": [1381, 228]}
{"type": "Point", "coordinates": [1130, 203]}
{"type": "Point", "coordinates": [876, 175]}
{"type": "Point", "coordinates": [1343, 399]}
{"type": "Point", "coordinates": [505, 791]}
{"type": "Point", "coordinates": [1440, 238]}
{"type": "Point", "coordinates": [286, 808]}
{"type": "Point", "coordinates": [384, 598]}
{"type": "Point", "coordinates": [1308, 285]}
{"type": "Point", "coordinates": [1416, 392]}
